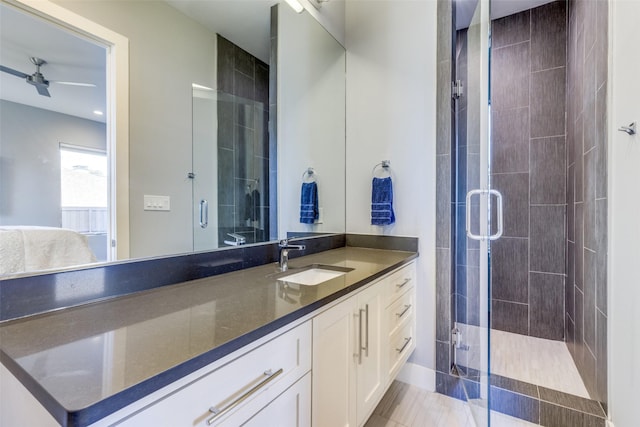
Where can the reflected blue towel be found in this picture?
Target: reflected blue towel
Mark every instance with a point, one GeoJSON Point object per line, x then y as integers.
{"type": "Point", "coordinates": [309, 203]}
{"type": "Point", "coordinates": [382, 202]}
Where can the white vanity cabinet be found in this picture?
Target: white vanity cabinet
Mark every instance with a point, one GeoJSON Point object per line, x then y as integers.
{"type": "Point", "coordinates": [266, 386]}
{"type": "Point", "coordinates": [354, 349]}
{"type": "Point", "coordinates": [328, 369]}
{"type": "Point", "coordinates": [400, 319]}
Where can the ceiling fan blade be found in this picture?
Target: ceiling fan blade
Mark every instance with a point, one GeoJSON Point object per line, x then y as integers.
{"type": "Point", "coordinates": [14, 72]}
{"type": "Point", "coordinates": [42, 90]}
{"type": "Point", "coordinates": [74, 84]}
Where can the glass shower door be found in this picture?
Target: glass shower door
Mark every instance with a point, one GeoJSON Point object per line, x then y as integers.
{"type": "Point", "coordinates": [473, 198]}
{"type": "Point", "coordinates": [231, 176]}
{"type": "Point", "coordinates": [204, 174]}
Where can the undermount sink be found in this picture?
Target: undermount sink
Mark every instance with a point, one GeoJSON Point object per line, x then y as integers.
{"type": "Point", "coordinates": [314, 275]}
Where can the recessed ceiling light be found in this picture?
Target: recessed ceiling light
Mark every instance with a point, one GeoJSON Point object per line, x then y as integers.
{"type": "Point", "coordinates": [98, 112]}
{"type": "Point", "coordinates": [197, 86]}
{"type": "Point", "coordinates": [295, 5]}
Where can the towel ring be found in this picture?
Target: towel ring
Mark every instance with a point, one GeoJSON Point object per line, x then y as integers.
{"type": "Point", "coordinates": [385, 165]}
{"type": "Point", "coordinates": [310, 174]}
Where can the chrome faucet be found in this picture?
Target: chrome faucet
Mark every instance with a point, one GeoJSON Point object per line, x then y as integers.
{"type": "Point", "coordinates": [285, 247]}
{"type": "Point", "coordinates": [237, 239]}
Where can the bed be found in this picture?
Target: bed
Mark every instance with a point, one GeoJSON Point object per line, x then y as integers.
{"type": "Point", "coordinates": [32, 248]}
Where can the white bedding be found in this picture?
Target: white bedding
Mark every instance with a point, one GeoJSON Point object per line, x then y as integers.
{"type": "Point", "coordinates": [31, 248]}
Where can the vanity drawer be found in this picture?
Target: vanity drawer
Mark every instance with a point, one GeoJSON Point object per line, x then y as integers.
{"type": "Point", "coordinates": [401, 345]}
{"type": "Point", "coordinates": [245, 385]}
{"type": "Point", "coordinates": [400, 282]}
{"type": "Point", "coordinates": [400, 312]}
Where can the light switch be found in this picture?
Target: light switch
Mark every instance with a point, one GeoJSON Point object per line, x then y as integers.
{"type": "Point", "coordinates": [157, 203]}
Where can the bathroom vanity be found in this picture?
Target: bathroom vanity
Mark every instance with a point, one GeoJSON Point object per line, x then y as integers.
{"type": "Point", "coordinates": [250, 347]}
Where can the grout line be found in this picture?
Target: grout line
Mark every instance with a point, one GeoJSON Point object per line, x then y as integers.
{"type": "Point", "coordinates": [511, 302]}
{"type": "Point", "coordinates": [549, 69]}
{"type": "Point", "coordinates": [548, 272]}
{"type": "Point", "coordinates": [512, 44]}
{"type": "Point", "coordinates": [534, 138]}
{"type": "Point", "coordinates": [509, 173]}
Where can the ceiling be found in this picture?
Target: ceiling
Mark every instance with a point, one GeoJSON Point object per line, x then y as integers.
{"type": "Point", "coordinates": [245, 22]}
{"type": "Point", "coordinates": [69, 59]}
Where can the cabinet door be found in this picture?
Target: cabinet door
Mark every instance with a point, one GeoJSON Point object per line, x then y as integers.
{"type": "Point", "coordinates": [371, 380]}
{"type": "Point", "coordinates": [333, 389]}
{"type": "Point", "coordinates": [291, 409]}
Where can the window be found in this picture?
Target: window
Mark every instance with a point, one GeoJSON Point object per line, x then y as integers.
{"type": "Point", "coordinates": [84, 189]}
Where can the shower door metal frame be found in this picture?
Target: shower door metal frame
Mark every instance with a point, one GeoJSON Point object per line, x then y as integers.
{"type": "Point", "coordinates": [475, 334]}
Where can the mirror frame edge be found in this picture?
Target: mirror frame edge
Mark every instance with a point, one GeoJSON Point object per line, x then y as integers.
{"type": "Point", "coordinates": [117, 48]}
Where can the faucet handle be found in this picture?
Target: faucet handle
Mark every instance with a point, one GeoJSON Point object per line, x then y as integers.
{"type": "Point", "coordinates": [284, 242]}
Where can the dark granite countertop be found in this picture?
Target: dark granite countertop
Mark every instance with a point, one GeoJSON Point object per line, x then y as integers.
{"type": "Point", "coordinates": [87, 362]}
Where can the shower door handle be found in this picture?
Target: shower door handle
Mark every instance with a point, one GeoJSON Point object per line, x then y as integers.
{"type": "Point", "coordinates": [204, 213]}
{"type": "Point", "coordinates": [499, 215]}
{"type": "Point", "coordinates": [470, 234]}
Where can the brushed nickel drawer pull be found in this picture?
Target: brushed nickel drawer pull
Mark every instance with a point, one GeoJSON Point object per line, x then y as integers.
{"type": "Point", "coordinates": [366, 336]}
{"type": "Point", "coordinates": [401, 285]}
{"type": "Point", "coordinates": [406, 308]}
{"type": "Point", "coordinates": [270, 376]}
{"type": "Point", "coordinates": [360, 347]}
{"type": "Point", "coordinates": [406, 343]}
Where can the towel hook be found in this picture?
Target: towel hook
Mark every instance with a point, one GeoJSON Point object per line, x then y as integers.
{"type": "Point", "coordinates": [385, 164]}
{"type": "Point", "coordinates": [629, 130]}
{"type": "Point", "coordinates": [310, 173]}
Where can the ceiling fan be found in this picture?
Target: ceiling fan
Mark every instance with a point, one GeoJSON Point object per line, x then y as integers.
{"type": "Point", "coordinates": [37, 79]}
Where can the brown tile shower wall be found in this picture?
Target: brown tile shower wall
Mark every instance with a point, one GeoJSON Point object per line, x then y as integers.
{"type": "Point", "coordinates": [243, 145]}
{"type": "Point", "coordinates": [586, 287]}
{"type": "Point", "coordinates": [528, 158]}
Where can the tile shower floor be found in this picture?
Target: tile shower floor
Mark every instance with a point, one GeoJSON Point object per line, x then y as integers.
{"type": "Point", "coordinates": [537, 361]}
{"type": "Point", "coordinates": [405, 405]}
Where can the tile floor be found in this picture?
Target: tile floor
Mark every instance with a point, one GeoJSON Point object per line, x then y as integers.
{"type": "Point", "coordinates": [537, 361]}
{"type": "Point", "coordinates": [405, 405]}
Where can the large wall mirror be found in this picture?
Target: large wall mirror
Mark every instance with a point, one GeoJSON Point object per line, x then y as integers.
{"type": "Point", "coordinates": [226, 115]}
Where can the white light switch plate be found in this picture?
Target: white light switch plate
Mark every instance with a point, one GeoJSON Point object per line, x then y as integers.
{"type": "Point", "coordinates": [157, 203]}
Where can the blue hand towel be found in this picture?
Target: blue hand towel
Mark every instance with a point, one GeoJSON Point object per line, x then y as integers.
{"type": "Point", "coordinates": [382, 202]}
{"type": "Point", "coordinates": [309, 203]}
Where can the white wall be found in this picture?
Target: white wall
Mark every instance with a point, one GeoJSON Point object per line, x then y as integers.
{"type": "Point", "coordinates": [30, 160]}
{"type": "Point", "coordinates": [168, 52]}
{"type": "Point", "coordinates": [624, 215]}
{"type": "Point", "coordinates": [330, 15]}
{"type": "Point", "coordinates": [391, 92]}
{"type": "Point", "coordinates": [311, 124]}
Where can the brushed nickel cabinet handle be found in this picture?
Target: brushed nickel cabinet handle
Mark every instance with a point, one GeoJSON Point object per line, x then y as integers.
{"type": "Point", "coordinates": [366, 335]}
{"type": "Point", "coordinates": [270, 376]}
{"type": "Point", "coordinates": [360, 348]}
{"type": "Point", "coordinates": [401, 285]}
{"type": "Point", "coordinates": [403, 312]}
{"type": "Point", "coordinates": [406, 343]}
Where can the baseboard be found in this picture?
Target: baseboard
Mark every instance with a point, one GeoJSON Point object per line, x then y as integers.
{"type": "Point", "coordinates": [418, 376]}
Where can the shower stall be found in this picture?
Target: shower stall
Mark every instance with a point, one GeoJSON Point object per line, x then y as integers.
{"type": "Point", "coordinates": [521, 190]}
